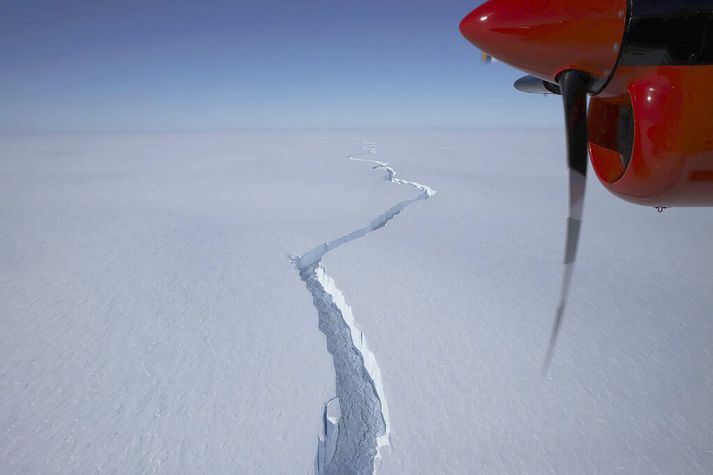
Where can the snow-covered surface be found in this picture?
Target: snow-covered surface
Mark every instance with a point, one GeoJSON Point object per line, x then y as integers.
{"type": "Point", "coordinates": [153, 320]}
{"type": "Point", "coordinates": [457, 298]}
{"type": "Point", "coordinates": [363, 425]}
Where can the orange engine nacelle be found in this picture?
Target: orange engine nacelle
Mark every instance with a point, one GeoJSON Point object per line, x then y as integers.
{"type": "Point", "coordinates": [651, 66]}
{"type": "Point", "coordinates": [651, 135]}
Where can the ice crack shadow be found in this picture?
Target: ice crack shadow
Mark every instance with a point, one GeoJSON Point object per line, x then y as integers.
{"type": "Point", "coordinates": [356, 421]}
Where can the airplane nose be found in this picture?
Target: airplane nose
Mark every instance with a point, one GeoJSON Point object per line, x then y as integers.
{"type": "Point", "coordinates": [546, 37]}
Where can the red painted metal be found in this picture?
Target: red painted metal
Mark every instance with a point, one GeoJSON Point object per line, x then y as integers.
{"type": "Point", "coordinates": [668, 161]}
{"type": "Point", "coordinates": [546, 37]}
{"type": "Point", "coordinates": [672, 156]}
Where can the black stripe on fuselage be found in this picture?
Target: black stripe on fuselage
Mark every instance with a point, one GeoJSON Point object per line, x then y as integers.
{"type": "Point", "coordinates": [669, 33]}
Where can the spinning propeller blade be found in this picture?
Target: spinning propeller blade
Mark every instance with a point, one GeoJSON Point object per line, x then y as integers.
{"type": "Point", "coordinates": [574, 85]}
{"type": "Point", "coordinates": [547, 39]}
{"type": "Point", "coordinates": [533, 85]}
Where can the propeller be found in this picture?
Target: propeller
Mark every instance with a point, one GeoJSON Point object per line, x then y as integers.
{"type": "Point", "coordinates": [533, 85]}
{"type": "Point", "coordinates": [573, 86]}
{"type": "Point", "coordinates": [545, 41]}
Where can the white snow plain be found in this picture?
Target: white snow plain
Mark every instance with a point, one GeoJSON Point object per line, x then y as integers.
{"type": "Point", "coordinates": [154, 321]}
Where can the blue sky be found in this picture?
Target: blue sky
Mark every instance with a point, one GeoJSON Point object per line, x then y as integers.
{"type": "Point", "coordinates": [179, 65]}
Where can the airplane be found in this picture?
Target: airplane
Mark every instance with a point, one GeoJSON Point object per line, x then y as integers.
{"type": "Point", "coordinates": [648, 67]}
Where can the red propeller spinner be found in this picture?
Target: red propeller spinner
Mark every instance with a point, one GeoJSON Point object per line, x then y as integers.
{"type": "Point", "coordinates": [546, 38]}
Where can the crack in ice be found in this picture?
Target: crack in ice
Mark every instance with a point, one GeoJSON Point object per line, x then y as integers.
{"type": "Point", "coordinates": [356, 421]}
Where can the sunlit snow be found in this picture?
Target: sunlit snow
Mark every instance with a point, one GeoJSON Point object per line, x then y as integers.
{"type": "Point", "coordinates": [154, 321]}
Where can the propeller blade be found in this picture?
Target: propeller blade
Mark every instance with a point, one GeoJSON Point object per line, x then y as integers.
{"type": "Point", "coordinates": [533, 85]}
{"type": "Point", "coordinates": [573, 85]}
